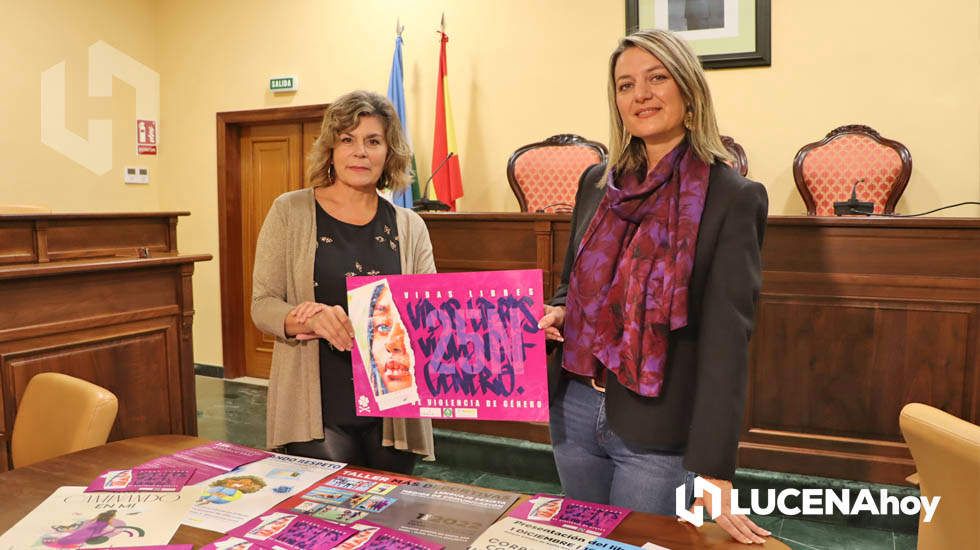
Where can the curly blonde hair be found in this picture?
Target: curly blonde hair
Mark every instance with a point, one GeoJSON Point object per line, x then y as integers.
{"type": "Point", "coordinates": [627, 153]}
{"type": "Point", "coordinates": [344, 115]}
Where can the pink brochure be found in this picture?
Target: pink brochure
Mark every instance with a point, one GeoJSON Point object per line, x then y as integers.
{"type": "Point", "coordinates": [222, 455]}
{"type": "Point", "coordinates": [291, 532]}
{"type": "Point", "coordinates": [371, 536]}
{"type": "Point", "coordinates": [141, 479]}
{"type": "Point", "coordinates": [165, 547]}
{"type": "Point", "coordinates": [449, 345]}
{"type": "Point", "coordinates": [585, 517]}
{"type": "Point", "coordinates": [229, 542]}
{"type": "Point", "coordinates": [209, 460]}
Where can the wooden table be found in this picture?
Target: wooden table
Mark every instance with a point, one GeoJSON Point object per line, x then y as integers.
{"type": "Point", "coordinates": [25, 488]}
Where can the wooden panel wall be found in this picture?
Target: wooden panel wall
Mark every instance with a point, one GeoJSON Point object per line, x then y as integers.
{"type": "Point", "coordinates": [17, 242]}
{"type": "Point", "coordinates": [485, 242]}
{"type": "Point", "coordinates": [41, 238]}
{"type": "Point", "coordinates": [106, 316]}
{"type": "Point", "coordinates": [857, 318]}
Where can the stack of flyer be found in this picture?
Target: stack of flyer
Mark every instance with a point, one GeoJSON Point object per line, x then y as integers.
{"type": "Point", "coordinates": [451, 516]}
{"type": "Point", "coordinates": [282, 531]}
{"type": "Point", "coordinates": [143, 506]}
{"type": "Point", "coordinates": [278, 502]}
{"type": "Point", "coordinates": [209, 460]}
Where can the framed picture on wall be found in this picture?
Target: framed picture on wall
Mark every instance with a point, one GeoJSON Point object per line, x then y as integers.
{"type": "Point", "coordinates": [724, 33]}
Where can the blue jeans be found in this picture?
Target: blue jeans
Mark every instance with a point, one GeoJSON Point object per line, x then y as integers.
{"type": "Point", "coordinates": [595, 465]}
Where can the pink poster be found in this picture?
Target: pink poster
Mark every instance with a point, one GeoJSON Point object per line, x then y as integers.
{"type": "Point", "coordinates": [283, 531]}
{"type": "Point", "coordinates": [449, 345]}
{"type": "Point", "coordinates": [141, 479]}
{"type": "Point", "coordinates": [587, 517]}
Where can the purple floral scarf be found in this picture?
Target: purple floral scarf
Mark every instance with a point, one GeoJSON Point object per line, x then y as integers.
{"type": "Point", "coordinates": [628, 287]}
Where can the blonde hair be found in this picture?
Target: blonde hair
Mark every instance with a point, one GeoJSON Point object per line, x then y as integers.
{"type": "Point", "coordinates": [628, 153]}
{"type": "Point", "coordinates": [343, 115]}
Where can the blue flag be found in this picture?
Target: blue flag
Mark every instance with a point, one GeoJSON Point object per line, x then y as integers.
{"type": "Point", "coordinates": [396, 94]}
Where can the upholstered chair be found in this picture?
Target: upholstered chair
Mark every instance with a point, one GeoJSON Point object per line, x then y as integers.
{"type": "Point", "coordinates": [739, 161]}
{"type": "Point", "coordinates": [852, 157]}
{"type": "Point", "coordinates": [60, 414]}
{"type": "Point", "coordinates": [545, 175]}
{"type": "Point", "coordinates": [946, 450]}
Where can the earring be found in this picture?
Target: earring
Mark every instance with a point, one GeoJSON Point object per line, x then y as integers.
{"type": "Point", "coordinates": [331, 173]}
{"type": "Point", "coordinates": [689, 120]}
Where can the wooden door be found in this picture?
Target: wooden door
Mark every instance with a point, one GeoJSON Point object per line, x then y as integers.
{"type": "Point", "coordinates": [272, 163]}
{"type": "Point", "coordinates": [261, 154]}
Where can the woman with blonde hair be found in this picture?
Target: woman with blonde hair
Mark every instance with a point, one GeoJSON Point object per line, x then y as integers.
{"type": "Point", "coordinates": [311, 240]}
{"type": "Point", "coordinates": [658, 297]}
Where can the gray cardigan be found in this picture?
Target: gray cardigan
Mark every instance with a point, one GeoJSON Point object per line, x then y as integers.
{"type": "Point", "coordinates": [281, 279]}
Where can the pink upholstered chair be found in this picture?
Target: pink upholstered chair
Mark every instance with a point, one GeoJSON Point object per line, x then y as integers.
{"type": "Point", "coordinates": [740, 162]}
{"type": "Point", "coordinates": [827, 170]}
{"type": "Point", "coordinates": [544, 175]}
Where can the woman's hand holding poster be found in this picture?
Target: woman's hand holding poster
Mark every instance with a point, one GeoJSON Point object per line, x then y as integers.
{"type": "Point", "coordinates": [449, 345]}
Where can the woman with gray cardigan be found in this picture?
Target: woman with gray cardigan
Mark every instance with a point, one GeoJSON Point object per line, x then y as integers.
{"type": "Point", "coordinates": [311, 240]}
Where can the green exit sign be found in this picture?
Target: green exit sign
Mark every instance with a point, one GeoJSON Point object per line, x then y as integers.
{"type": "Point", "coordinates": [283, 84]}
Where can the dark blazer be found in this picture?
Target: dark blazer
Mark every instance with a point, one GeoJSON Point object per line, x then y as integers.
{"type": "Point", "coordinates": [700, 407]}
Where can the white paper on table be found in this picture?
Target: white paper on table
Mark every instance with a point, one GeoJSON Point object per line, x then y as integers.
{"type": "Point", "coordinates": [652, 546]}
{"type": "Point", "coordinates": [72, 518]}
{"type": "Point", "coordinates": [229, 500]}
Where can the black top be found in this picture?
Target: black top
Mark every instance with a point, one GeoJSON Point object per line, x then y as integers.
{"type": "Point", "coordinates": [699, 410]}
{"type": "Point", "coordinates": [345, 250]}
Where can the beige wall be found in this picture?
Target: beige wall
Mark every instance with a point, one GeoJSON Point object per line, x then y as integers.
{"type": "Point", "coordinates": [907, 69]}
{"type": "Point", "coordinates": [519, 71]}
{"type": "Point", "coordinates": [35, 35]}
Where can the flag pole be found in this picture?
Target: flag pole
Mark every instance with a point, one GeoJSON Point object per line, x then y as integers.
{"type": "Point", "coordinates": [446, 177]}
{"type": "Point", "coordinates": [396, 94]}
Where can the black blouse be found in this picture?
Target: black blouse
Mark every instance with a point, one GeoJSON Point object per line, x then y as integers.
{"type": "Point", "coordinates": [344, 250]}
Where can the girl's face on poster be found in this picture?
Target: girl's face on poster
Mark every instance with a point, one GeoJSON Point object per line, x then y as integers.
{"type": "Point", "coordinates": [389, 344]}
{"type": "Point", "coordinates": [547, 509]}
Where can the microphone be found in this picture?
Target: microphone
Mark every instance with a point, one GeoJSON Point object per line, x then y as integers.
{"type": "Point", "coordinates": [853, 205]}
{"type": "Point", "coordinates": [425, 204]}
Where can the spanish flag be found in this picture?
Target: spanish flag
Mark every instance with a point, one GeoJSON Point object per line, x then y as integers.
{"type": "Point", "coordinates": [446, 181]}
